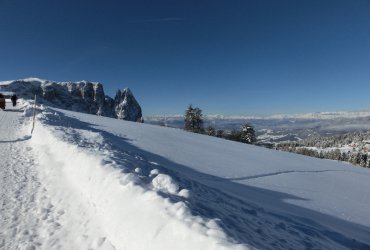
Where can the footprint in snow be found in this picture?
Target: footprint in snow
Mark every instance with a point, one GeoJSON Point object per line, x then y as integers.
{"type": "Point", "coordinates": [60, 212]}
{"type": "Point", "coordinates": [32, 247]}
{"type": "Point", "coordinates": [98, 242]}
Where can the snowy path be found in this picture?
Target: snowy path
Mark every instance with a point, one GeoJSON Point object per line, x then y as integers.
{"type": "Point", "coordinates": [24, 206]}
{"type": "Point", "coordinates": [31, 215]}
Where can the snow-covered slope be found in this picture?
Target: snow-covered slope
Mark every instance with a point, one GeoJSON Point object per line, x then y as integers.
{"type": "Point", "coordinates": [83, 96]}
{"type": "Point", "coordinates": [122, 185]}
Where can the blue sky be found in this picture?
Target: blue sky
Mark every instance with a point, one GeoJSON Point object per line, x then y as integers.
{"type": "Point", "coordinates": [227, 57]}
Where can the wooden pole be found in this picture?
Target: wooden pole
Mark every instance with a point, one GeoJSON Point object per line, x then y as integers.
{"type": "Point", "coordinates": [34, 114]}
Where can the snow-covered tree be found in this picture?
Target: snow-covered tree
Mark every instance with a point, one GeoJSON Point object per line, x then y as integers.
{"type": "Point", "coordinates": [211, 131]}
{"type": "Point", "coordinates": [194, 119]}
{"type": "Point", "coordinates": [248, 135]}
{"type": "Point", "coordinates": [220, 133]}
{"type": "Point", "coordinates": [367, 162]}
{"type": "Point", "coordinates": [363, 160]}
{"type": "Point", "coordinates": [355, 158]}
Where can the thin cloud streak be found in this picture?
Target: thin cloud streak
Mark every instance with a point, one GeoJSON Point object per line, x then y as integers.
{"type": "Point", "coordinates": [159, 20]}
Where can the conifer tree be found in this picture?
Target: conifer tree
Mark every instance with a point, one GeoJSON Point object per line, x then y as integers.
{"type": "Point", "coordinates": [211, 131]}
{"type": "Point", "coordinates": [248, 134]}
{"type": "Point", "coordinates": [363, 160]}
{"type": "Point", "coordinates": [220, 133]}
{"type": "Point", "coordinates": [194, 120]}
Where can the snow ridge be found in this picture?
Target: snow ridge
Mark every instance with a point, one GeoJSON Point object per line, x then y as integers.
{"type": "Point", "coordinates": [145, 196]}
{"type": "Point", "coordinates": [143, 216]}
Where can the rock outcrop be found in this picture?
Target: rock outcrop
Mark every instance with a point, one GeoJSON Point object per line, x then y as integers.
{"type": "Point", "coordinates": [83, 96]}
{"type": "Point", "coordinates": [127, 108]}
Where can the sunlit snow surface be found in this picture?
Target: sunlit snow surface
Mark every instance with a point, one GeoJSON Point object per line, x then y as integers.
{"type": "Point", "coordinates": [125, 185]}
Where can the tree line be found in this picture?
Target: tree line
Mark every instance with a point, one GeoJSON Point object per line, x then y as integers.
{"type": "Point", "coordinates": [193, 119]}
{"type": "Point", "coordinates": [317, 146]}
{"type": "Point", "coordinates": [354, 148]}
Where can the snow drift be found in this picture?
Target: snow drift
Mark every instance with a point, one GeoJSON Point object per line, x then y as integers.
{"type": "Point", "coordinates": [131, 214]}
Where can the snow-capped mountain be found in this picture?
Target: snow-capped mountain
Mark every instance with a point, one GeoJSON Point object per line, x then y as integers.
{"type": "Point", "coordinates": [83, 96]}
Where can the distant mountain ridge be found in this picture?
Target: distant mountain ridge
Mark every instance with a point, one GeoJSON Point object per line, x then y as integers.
{"type": "Point", "coordinates": [314, 115]}
{"type": "Point", "coordinates": [281, 128]}
{"type": "Point", "coordinates": [83, 96]}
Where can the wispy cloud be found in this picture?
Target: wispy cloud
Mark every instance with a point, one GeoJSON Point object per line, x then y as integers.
{"type": "Point", "coordinates": [159, 20]}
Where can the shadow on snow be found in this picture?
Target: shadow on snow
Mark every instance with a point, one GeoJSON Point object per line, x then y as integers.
{"type": "Point", "coordinates": [249, 215]}
{"type": "Point", "coordinates": [24, 138]}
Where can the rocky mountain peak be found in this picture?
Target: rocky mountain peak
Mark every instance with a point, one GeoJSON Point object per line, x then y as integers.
{"type": "Point", "coordinates": [83, 96]}
{"type": "Point", "coordinates": [128, 108]}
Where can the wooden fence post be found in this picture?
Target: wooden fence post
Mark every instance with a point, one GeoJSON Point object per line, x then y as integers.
{"type": "Point", "coordinates": [34, 114]}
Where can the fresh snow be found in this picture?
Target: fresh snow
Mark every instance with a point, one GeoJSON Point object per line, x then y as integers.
{"type": "Point", "coordinates": [29, 79]}
{"type": "Point", "coordinates": [88, 182]}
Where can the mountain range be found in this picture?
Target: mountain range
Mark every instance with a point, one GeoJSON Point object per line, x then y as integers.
{"type": "Point", "coordinates": [83, 96]}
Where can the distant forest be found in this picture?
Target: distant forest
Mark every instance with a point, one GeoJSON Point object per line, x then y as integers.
{"type": "Point", "coordinates": [350, 147]}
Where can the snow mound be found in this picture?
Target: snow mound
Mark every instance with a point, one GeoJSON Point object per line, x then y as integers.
{"type": "Point", "coordinates": [165, 183]}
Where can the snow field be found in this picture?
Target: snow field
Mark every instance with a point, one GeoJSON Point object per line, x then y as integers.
{"type": "Point", "coordinates": [100, 183]}
{"type": "Point", "coordinates": [258, 196]}
{"type": "Point", "coordinates": [110, 204]}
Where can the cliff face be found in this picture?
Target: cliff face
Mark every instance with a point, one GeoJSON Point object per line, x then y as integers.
{"type": "Point", "coordinates": [127, 108]}
{"type": "Point", "coordinates": [83, 96]}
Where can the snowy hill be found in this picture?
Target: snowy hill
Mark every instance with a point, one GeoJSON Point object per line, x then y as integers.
{"type": "Point", "coordinates": [90, 182]}
{"type": "Point", "coordinates": [83, 96]}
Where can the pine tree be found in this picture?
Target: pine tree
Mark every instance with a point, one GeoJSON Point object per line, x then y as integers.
{"type": "Point", "coordinates": [220, 133]}
{"type": "Point", "coordinates": [336, 154]}
{"type": "Point", "coordinates": [211, 131]}
{"type": "Point", "coordinates": [234, 135]}
{"type": "Point", "coordinates": [194, 120]}
{"type": "Point", "coordinates": [355, 158]}
{"type": "Point", "coordinates": [367, 162]}
{"type": "Point", "coordinates": [248, 134]}
{"type": "Point", "coordinates": [363, 160]}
